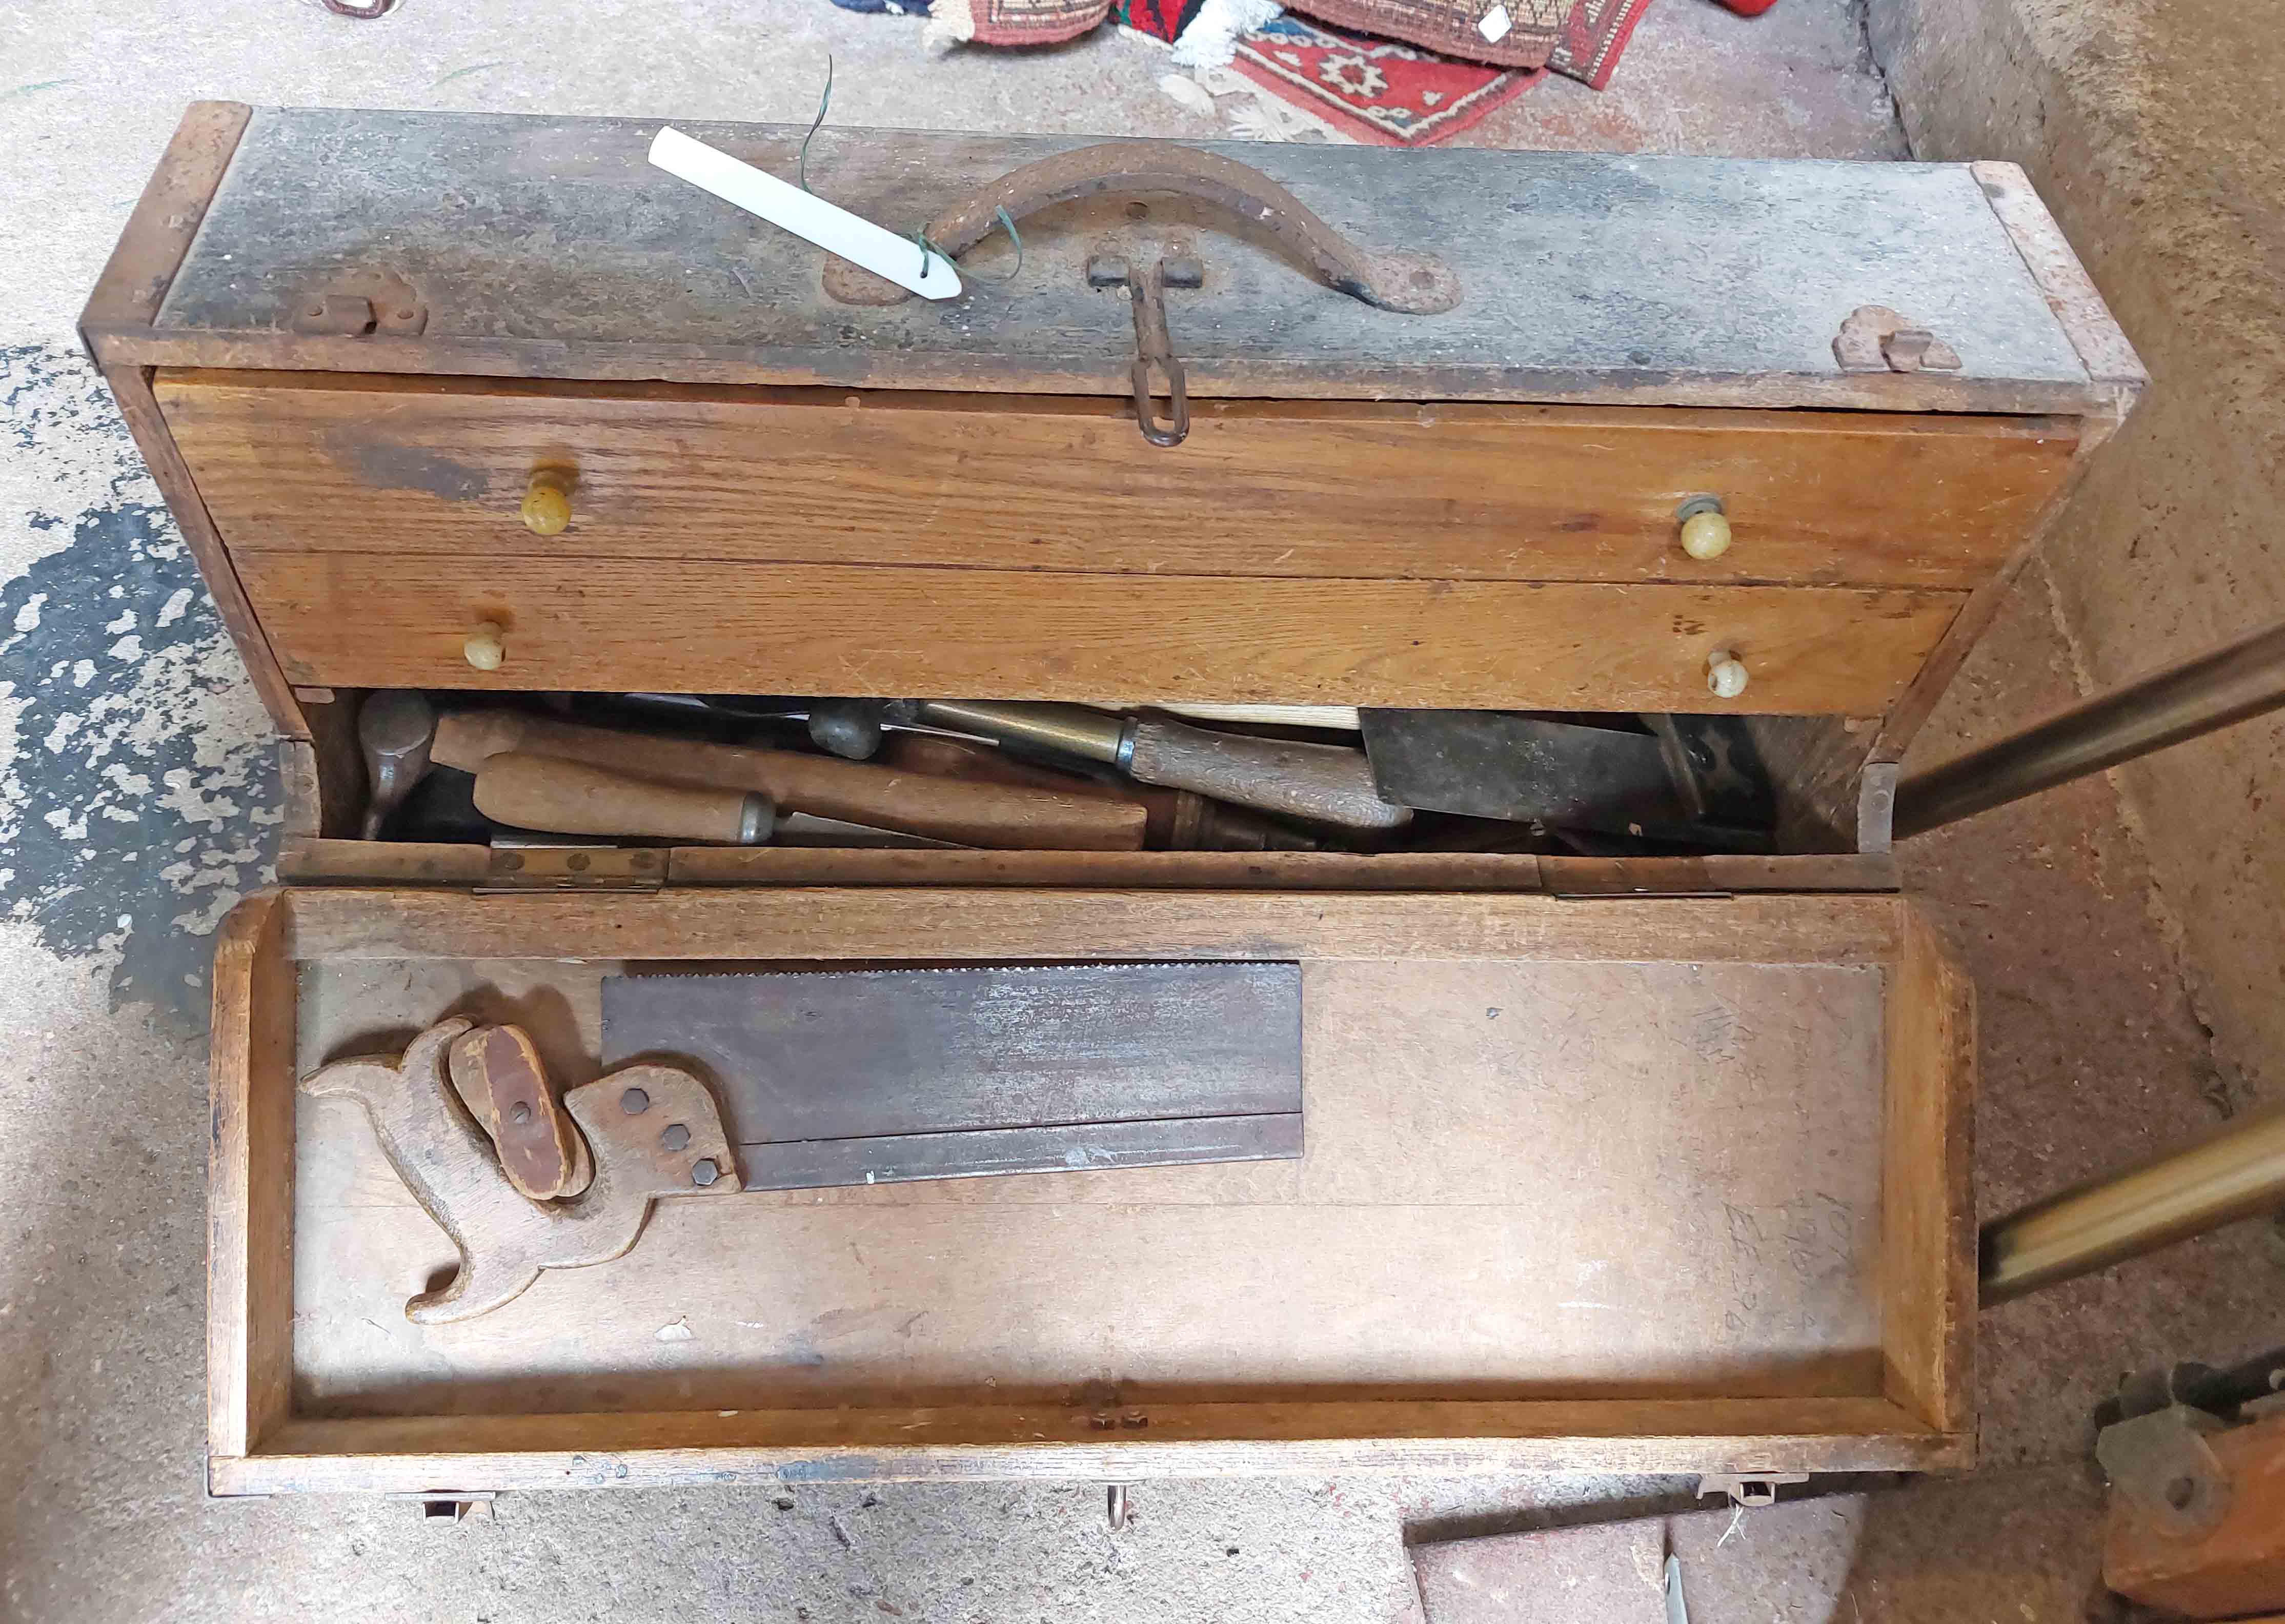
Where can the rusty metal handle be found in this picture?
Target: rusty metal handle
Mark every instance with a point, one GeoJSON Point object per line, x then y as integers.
{"type": "Point", "coordinates": [1414, 284]}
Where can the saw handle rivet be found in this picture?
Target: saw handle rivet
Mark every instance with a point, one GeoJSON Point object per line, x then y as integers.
{"type": "Point", "coordinates": [634, 1102]}
{"type": "Point", "coordinates": [703, 1173]}
{"type": "Point", "coordinates": [676, 1137]}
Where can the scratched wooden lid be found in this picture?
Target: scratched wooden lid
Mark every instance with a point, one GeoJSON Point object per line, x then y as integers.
{"type": "Point", "coordinates": [547, 247]}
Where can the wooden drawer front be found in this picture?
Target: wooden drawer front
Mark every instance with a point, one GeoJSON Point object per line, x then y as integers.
{"type": "Point", "coordinates": [314, 462]}
{"type": "Point", "coordinates": [356, 620]}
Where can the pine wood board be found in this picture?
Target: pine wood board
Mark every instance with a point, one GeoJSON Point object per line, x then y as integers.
{"type": "Point", "coordinates": [361, 620]}
{"type": "Point", "coordinates": [438, 467]}
{"type": "Point", "coordinates": [1507, 1189]}
{"type": "Point", "coordinates": [924, 923]}
{"type": "Point", "coordinates": [567, 255]}
{"type": "Point", "coordinates": [1839, 1404]}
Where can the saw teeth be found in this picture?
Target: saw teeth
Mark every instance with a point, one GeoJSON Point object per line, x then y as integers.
{"type": "Point", "coordinates": [1061, 968]}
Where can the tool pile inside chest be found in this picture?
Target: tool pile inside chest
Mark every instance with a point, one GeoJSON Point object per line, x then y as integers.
{"type": "Point", "coordinates": [1347, 707]}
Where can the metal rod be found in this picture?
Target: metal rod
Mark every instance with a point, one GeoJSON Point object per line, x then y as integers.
{"type": "Point", "coordinates": [2215, 689]}
{"type": "Point", "coordinates": [2238, 1174]}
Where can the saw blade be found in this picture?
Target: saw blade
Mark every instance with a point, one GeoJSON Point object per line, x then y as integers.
{"type": "Point", "coordinates": [834, 1077]}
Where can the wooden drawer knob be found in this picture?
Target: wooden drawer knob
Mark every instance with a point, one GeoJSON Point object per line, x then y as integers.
{"type": "Point", "coordinates": [1725, 674]}
{"type": "Point", "coordinates": [486, 648]}
{"type": "Point", "coordinates": [1704, 528]}
{"type": "Point", "coordinates": [547, 502]}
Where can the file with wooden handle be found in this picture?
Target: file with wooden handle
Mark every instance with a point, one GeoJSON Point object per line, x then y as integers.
{"type": "Point", "coordinates": [1006, 817]}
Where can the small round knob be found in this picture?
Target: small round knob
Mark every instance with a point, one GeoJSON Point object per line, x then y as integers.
{"type": "Point", "coordinates": [1704, 528]}
{"type": "Point", "coordinates": [1725, 674]}
{"type": "Point", "coordinates": [547, 502]}
{"type": "Point", "coordinates": [486, 648]}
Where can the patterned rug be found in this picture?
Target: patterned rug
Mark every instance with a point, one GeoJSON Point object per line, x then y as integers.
{"type": "Point", "coordinates": [1374, 90]}
{"type": "Point", "coordinates": [1593, 35]}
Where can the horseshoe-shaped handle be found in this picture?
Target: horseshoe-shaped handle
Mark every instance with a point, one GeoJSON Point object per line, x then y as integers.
{"type": "Point", "coordinates": [1414, 284]}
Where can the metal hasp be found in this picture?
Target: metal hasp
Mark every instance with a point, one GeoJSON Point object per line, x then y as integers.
{"type": "Point", "coordinates": [2238, 1174]}
{"type": "Point", "coordinates": [1410, 284]}
{"type": "Point", "coordinates": [2232, 684]}
{"type": "Point", "coordinates": [1153, 347]}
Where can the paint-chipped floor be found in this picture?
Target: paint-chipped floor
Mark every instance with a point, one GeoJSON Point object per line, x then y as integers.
{"type": "Point", "coordinates": [136, 802]}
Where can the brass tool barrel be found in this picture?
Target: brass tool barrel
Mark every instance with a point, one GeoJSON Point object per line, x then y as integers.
{"type": "Point", "coordinates": [2214, 690]}
{"type": "Point", "coordinates": [2238, 1174]}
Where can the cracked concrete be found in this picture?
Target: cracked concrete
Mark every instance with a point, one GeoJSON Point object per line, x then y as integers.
{"type": "Point", "coordinates": [2093, 1053]}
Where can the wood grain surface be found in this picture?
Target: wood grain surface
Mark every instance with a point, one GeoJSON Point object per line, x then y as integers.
{"type": "Point", "coordinates": [439, 466]}
{"type": "Point", "coordinates": [572, 798]}
{"type": "Point", "coordinates": [131, 388]}
{"type": "Point", "coordinates": [357, 620]}
{"type": "Point", "coordinates": [1928, 1218]}
{"type": "Point", "coordinates": [250, 1223]}
{"type": "Point", "coordinates": [1504, 1194]}
{"type": "Point", "coordinates": [923, 922]}
{"type": "Point", "coordinates": [585, 265]}
{"type": "Point", "coordinates": [1066, 1443]}
{"type": "Point", "coordinates": [324, 862]}
{"type": "Point", "coordinates": [1780, 1353]}
{"type": "Point", "coordinates": [166, 220]}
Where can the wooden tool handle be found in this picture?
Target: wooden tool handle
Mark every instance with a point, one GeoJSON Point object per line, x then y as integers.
{"type": "Point", "coordinates": [1325, 783]}
{"type": "Point", "coordinates": [572, 798]}
{"type": "Point", "coordinates": [1177, 820]}
{"type": "Point", "coordinates": [1007, 817]}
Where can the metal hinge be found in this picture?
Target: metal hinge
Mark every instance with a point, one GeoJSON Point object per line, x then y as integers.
{"type": "Point", "coordinates": [437, 1505]}
{"type": "Point", "coordinates": [520, 869]}
{"type": "Point", "coordinates": [1876, 339]}
{"type": "Point", "coordinates": [361, 304]}
{"type": "Point", "coordinates": [1749, 1490]}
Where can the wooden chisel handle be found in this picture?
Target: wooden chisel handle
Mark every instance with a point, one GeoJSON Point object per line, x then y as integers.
{"type": "Point", "coordinates": [1178, 820]}
{"type": "Point", "coordinates": [1324, 783]}
{"type": "Point", "coordinates": [1004, 816]}
{"type": "Point", "coordinates": [570, 798]}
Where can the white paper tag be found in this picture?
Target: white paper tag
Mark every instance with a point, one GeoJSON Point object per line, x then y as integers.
{"type": "Point", "coordinates": [1495, 24]}
{"type": "Point", "coordinates": [834, 229]}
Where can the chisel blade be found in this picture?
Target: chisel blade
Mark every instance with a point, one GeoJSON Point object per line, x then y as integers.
{"type": "Point", "coordinates": [857, 1077]}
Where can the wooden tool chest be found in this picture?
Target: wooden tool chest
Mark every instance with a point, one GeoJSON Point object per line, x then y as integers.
{"type": "Point", "coordinates": [1626, 1164]}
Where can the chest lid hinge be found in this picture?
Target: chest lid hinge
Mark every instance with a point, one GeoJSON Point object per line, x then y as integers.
{"type": "Point", "coordinates": [514, 869]}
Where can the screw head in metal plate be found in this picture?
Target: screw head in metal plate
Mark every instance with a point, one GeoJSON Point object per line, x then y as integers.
{"type": "Point", "coordinates": [676, 1138]}
{"type": "Point", "coordinates": [634, 1102]}
{"type": "Point", "coordinates": [704, 1172]}
{"type": "Point", "coordinates": [521, 1112]}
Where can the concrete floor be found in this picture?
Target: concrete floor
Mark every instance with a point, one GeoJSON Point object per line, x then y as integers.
{"type": "Point", "coordinates": [135, 801]}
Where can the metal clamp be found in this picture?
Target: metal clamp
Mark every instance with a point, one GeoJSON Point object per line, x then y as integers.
{"type": "Point", "coordinates": [2162, 1463]}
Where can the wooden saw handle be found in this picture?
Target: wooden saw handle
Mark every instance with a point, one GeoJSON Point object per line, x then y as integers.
{"type": "Point", "coordinates": [1008, 817]}
{"type": "Point", "coordinates": [498, 1075]}
{"type": "Point", "coordinates": [571, 798]}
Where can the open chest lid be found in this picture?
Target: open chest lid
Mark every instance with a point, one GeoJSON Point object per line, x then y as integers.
{"type": "Point", "coordinates": [549, 247]}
